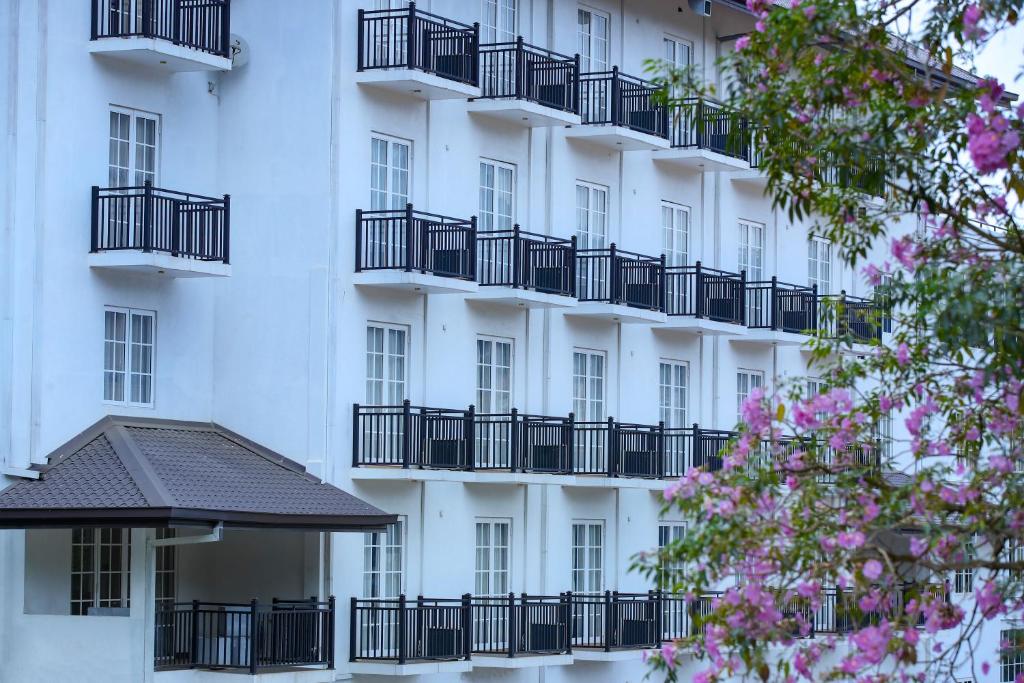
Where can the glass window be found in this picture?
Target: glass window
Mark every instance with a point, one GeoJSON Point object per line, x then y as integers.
{"type": "Point", "coordinates": [746, 381]}
{"type": "Point", "coordinates": [819, 264]}
{"type": "Point", "coordinates": [133, 147]}
{"type": "Point", "coordinates": [493, 551]}
{"type": "Point", "coordinates": [592, 30]}
{"type": "Point", "coordinates": [383, 561]}
{"type": "Point", "coordinates": [128, 354]}
{"type": "Point", "coordinates": [389, 173]}
{"type": "Point", "coordinates": [497, 195]}
{"type": "Point", "coordinates": [386, 349]}
{"type": "Point", "coordinates": [1011, 654]}
{"type": "Point", "coordinates": [675, 234]}
{"type": "Point", "coordinates": [100, 569]}
{"type": "Point", "coordinates": [498, 21]}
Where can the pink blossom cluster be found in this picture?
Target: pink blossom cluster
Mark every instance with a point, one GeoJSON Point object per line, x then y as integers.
{"type": "Point", "coordinates": [990, 136]}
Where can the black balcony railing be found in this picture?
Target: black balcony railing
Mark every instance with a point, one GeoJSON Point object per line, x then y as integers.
{"type": "Point", "coordinates": [523, 72]}
{"type": "Point", "coordinates": [702, 292]}
{"type": "Point", "coordinates": [416, 241]}
{"type": "Point", "coordinates": [245, 636]}
{"type": "Point", "coordinates": [410, 38]}
{"type": "Point", "coordinates": [410, 630]}
{"type": "Point", "coordinates": [610, 97]}
{"type": "Point", "coordinates": [774, 305]}
{"type": "Point", "coordinates": [147, 218]}
{"type": "Point", "coordinates": [523, 625]}
{"type": "Point", "coordinates": [525, 260]}
{"type": "Point", "coordinates": [199, 24]}
{"type": "Point", "coordinates": [705, 124]}
{"type": "Point", "coordinates": [867, 174]}
{"type": "Point", "coordinates": [620, 277]}
{"type": "Point", "coordinates": [862, 320]}
{"type": "Point", "coordinates": [413, 436]}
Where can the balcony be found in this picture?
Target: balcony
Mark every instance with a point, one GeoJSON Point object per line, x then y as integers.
{"type": "Point", "coordinates": [621, 113]}
{"type": "Point", "coordinates": [475, 447]}
{"type": "Point", "coordinates": [620, 286]}
{"type": "Point", "coordinates": [167, 35]}
{"type": "Point", "coordinates": [868, 174]}
{"type": "Point", "coordinates": [151, 230]}
{"type": "Point", "coordinates": [528, 86]}
{"type": "Point", "coordinates": [524, 269]}
{"type": "Point", "coordinates": [415, 251]}
{"type": "Point", "coordinates": [413, 636]}
{"type": "Point", "coordinates": [858, 320]}
{"type": "Point", "coordinates": [703, 300]}
{"type": "Point", "coordinates": [707, 137]}
{"type": "Point", "coordinates": [780, 313]}
{"type": "Point", "coordinates": [415, 53]}
{"type": "Point", "coordinates": [244, 637]}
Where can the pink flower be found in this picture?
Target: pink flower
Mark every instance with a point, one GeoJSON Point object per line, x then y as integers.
{"type": "Point", "coordinates": [971, 17]}
{"type": "Point", "coordinates": [918, 546]}
{"type": "Point", "coordinates": [810, 11]}
{"type": "Point", "coordinates": [903, 355]}
{"type": "Point", "coordinates": [872, 569]}
{"type": "Point", "coordinates": [904, 251]}
{"type": "Point", "coordinates": [990, 139]}
{"type": "Point", "coordinates": [742, 42]}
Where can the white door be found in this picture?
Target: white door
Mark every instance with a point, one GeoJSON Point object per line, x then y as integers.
{"type": "Point", "coordinates": [588, 388]}
{"type": "Point", "coordinates": [131, 161]}
{"type": "Point", "coordinates": [675, 234]}
{"type": "Point", "coordinates": [386, 385]}
{"type": "Point", "coordinates": [588, 578]}
{"type": "Point", "coordinates": [677, 55]}
{"type": "Point", "coordinates": [383, 579]}
{"type": "Point", "coordinates": [493, 402]}
{"type": "Point", "coordinates": [751, 260]}
{"type": "Point", "coordinates": [673, 378]}
{"type": "Point", "coordinates": [390, 160]}
{"type": "Point", "coordinates": [592, 34]}
{"type": "Point", "coordinates": [819, 264]}
{"type": "Point", "coordinates": [592, 233]}
{"type": "Point", "coordinates": [673, 611]}
{"type": "Point", "coordinates": [746, 382]}
{"type": "Point", "coordinates": [498, 21]}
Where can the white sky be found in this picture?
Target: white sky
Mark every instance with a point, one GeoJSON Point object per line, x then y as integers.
{"type": "Point", "coordinates": [1003, 58]}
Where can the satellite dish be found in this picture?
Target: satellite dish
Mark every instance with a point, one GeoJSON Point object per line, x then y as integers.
{"type": "Point", "coordinates": [239, 51]}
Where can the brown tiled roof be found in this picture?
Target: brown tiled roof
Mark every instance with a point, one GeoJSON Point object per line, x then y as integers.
{"type": "Point", "coordinates": [137, 472]}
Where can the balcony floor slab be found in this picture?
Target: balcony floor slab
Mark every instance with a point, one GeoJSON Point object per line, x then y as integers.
{"type": "Point", "coordinates": [502, 477]}
{"type": "Point", "coordinates": [775, 337]}
{"type": "Point", "coordinates": [413, 282]}
{"type": "Point", "coordinates": [595, 655]}
{"type": "Point", "coordinates": [157, 263]}
{"type": "Point", "coordinates": [521, 298]}
{"type": "Point", "coordinates": [519, 661]}
{"type": "Point", "coordinates": [703, 326]}
{"type": "Point", "coordinates": [162, 55]}
{"type": "Point", "coordinates": [522, 113]}
{"type": "Point", "coordinates": [616, 138]}
{"type": "Point", "coordinates": [319, 675]}
{"type": "Point", "coordinates": [418, 84]}
{"type": "Point", "coordinates": [617, 313]}
{"type": "Point", "coordinates": [410, 669]}
{"type": "Point", "coordinates": [700, 160]}
{"type": "Point", "coordinates": [753, 177]}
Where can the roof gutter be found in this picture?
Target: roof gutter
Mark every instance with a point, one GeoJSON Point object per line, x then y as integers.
{"type": "Point", "coordinates": [213, 537]}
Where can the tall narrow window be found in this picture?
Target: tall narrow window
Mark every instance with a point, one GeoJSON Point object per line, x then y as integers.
{"type": "Point", "coordinates": [390, 160]}
{"type": "Point", "coordinates": [819, 264]}
{"type": "Point", "coordinates": [675, 234]}
{"type": "Point", "coordinates": [493, 551]}
{"type": "Point", "coordinates": [128, 350]}
{"type": "Point", "coordinates": [497, 195]}
{"type": "Point", "coordinates": [678, 54]}
{"type": "Point", "coordinates": [134, 143]}
{"type": "Point", "coordinates": [100, 570]}
{"type": "Point", "coordinates": [746, 382]}
{"type": "Point", "coordinates": [592, 30]}
{"type": "Point", "coordinates": [668, 533]}
{"type": "Point", "coordinates": [591, 216]}
{"type": "Point", "coordinates": [383, 561]}
{"type": "Point", "coordinates": [588, 385]}
{"type": "Point", "coordinates": [1011, 654]}
{"type": "Point", "coordinates": [166, 570]}
{"type": "Point", "coordinates": [672, 383]}
{"type": "Point", "coordinates": [963, 579]}
{"type": "Point", "coordinates": [493, 402]}
{"type": "Point", "coordinates": [386, 366]}
{"type": "Point", "coordinates": [587, 556]}
{"type": "Point", "coordinates": [751, 253]}
{"type": "Point", "coordinates": [673, 610]}
{"type": "Point", "coordinates": [498, 21]}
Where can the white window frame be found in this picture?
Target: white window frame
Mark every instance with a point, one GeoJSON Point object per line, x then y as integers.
{"type": "Point", "coordinates": [392, 200]}
{"type": "Point", "coordinates": [129, 349]}
{"type": "Point", "coordinates": [819, 264]}
{"type": "Point", "coordinates": [673, 399]}
{"type": "Point", "coordinates": [671, 233]}
{"type": "Point", "coordinates": [492, 13]}
{"type": "Point", "coordinates": [134, 175]}
{"type": "Point", "coordinates": [386, 379]}
{"type": "Point", "coordinates": [751, 255]}
{"type": "Point", "coordinates": [746, 381]}
{"type": "Point", "coordinates": [491, 218]}
{"type": "Point", "coordinates": [378, 541]}
{"type": "Point", "coordinates": [487, 396]}
{"type": "Point", "coordinates": [586, 406]}
{"type": "Point", "coordinates": [583, 575]}
{"type": "Point", "coordinates": [490, 553]}
{"type": "Point", "coordinates": [1011, 659]}
{"type": "Point", "coordinates": [586, 236]}
{"type": "Point", "coordinates": [95, 575]}
{"type": "Point", "coordinates": [587, 42]}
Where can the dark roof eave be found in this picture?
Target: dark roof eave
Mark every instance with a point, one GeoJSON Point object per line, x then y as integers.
{"type": "Point", "coordinates": [59, 518]}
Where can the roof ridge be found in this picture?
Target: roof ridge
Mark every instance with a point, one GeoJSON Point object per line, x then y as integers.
{"type": "Point", "coordinates": [138, 467]}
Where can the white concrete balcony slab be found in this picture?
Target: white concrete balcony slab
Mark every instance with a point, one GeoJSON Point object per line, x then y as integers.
{"type": "Point", "coordinates": [504, 477]}
{"type": "Point", "coordinates": [409, 669]}
{"type": "Point", "coordinates": [220, 676]}
{"type": "Point", "coordinates": [158, 54]}
{"type": "Point", "coordinates": [596, 655]}
{"type": "Point", "coordinates": [522, 113]}
{"type": "Point", "coordinates": [414, 282]}
{"type": "Point", "coordinates": [700, 160]}
{"type": "Point", "coordinates": [157, 263]}
{"type": "Point", "coordinates": [520, 298]}
{"type": "Point", "coordinates": [417, 84]}
{"type": "Point", "coordinates": [754, 178]}
{"type": "Point", "coordinates": [616, 138]}
{"type": "Point", "coordinates": [617, 313]}
{"type": "Point", "coordinates": [772, 338]}
{"type": "Point", "coordinates": [702, 326]}
{"type": "Point", "coordinates": [520, 661]}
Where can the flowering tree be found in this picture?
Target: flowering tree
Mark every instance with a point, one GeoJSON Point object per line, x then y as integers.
{"type": "Point", "coordinates": [814, 512]}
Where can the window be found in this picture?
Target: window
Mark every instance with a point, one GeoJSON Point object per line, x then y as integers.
{"type": "Point", "coordinates": [134, 141]}
{"type": "Point", "coordinates": [963, 579]}
{"type": "Point", "coordinates": [100, 569]}
{"type": "Point", "coordinates": [386, 367]}
{"type": "Point", "coordinates": [128, 349]}
{"type": "Point", "coordinates": [166, 576]}
{"type": "Point", "coordinates": [678, 53]}
{"type": "Point", "coordinates": [885, 440]}
{"type": "Point", "coordinates": [498, 21]}
{"type": "Point", "coordinates": [588, 378]}
{"type": "Point", "coordinates": [751, 255]}
{"type": "Point", "coordinates": [670, 532]}
{"type": "Point", "coordinates": [672, 381]}
{"type": "Point", "coordinates": [389, 173]}
{"type": "Point", "coordinates": [497, 195]}
{"type": "Point", "coordinates": [819, 264]}
{"type": "Point", "coordinates": [587, 556]}
{"type": "Point", "coordinates": [493, 402]}
{"type": "Point", "coordinates": [383, 561]}
{"type": "Point", "coordinates": [592, 30]}
{"type": "Point", "coordinates": [591, 216]}
{"type": "Point", "coordinates": [675, 234]}
{"type": "Point", "coordinates": [1011, 654]}
{"type": "Point", "coordinates": [493, 548]}
{"type": "Point", "coordinates": [746, 381]}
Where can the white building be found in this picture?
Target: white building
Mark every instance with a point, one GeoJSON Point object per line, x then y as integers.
{"type": "Point", "coordinates": [278, 285]}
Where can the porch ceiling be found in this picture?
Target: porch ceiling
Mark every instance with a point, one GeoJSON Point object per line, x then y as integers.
{"type": "Point", "coordinates": [137, 472]}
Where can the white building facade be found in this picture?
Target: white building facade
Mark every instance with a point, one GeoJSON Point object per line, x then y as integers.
{"type": "Point", "coordinates": [488, 285]}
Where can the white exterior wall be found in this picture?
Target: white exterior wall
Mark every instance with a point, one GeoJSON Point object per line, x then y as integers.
{"type": "Point", "coordinates": [276, 351]}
